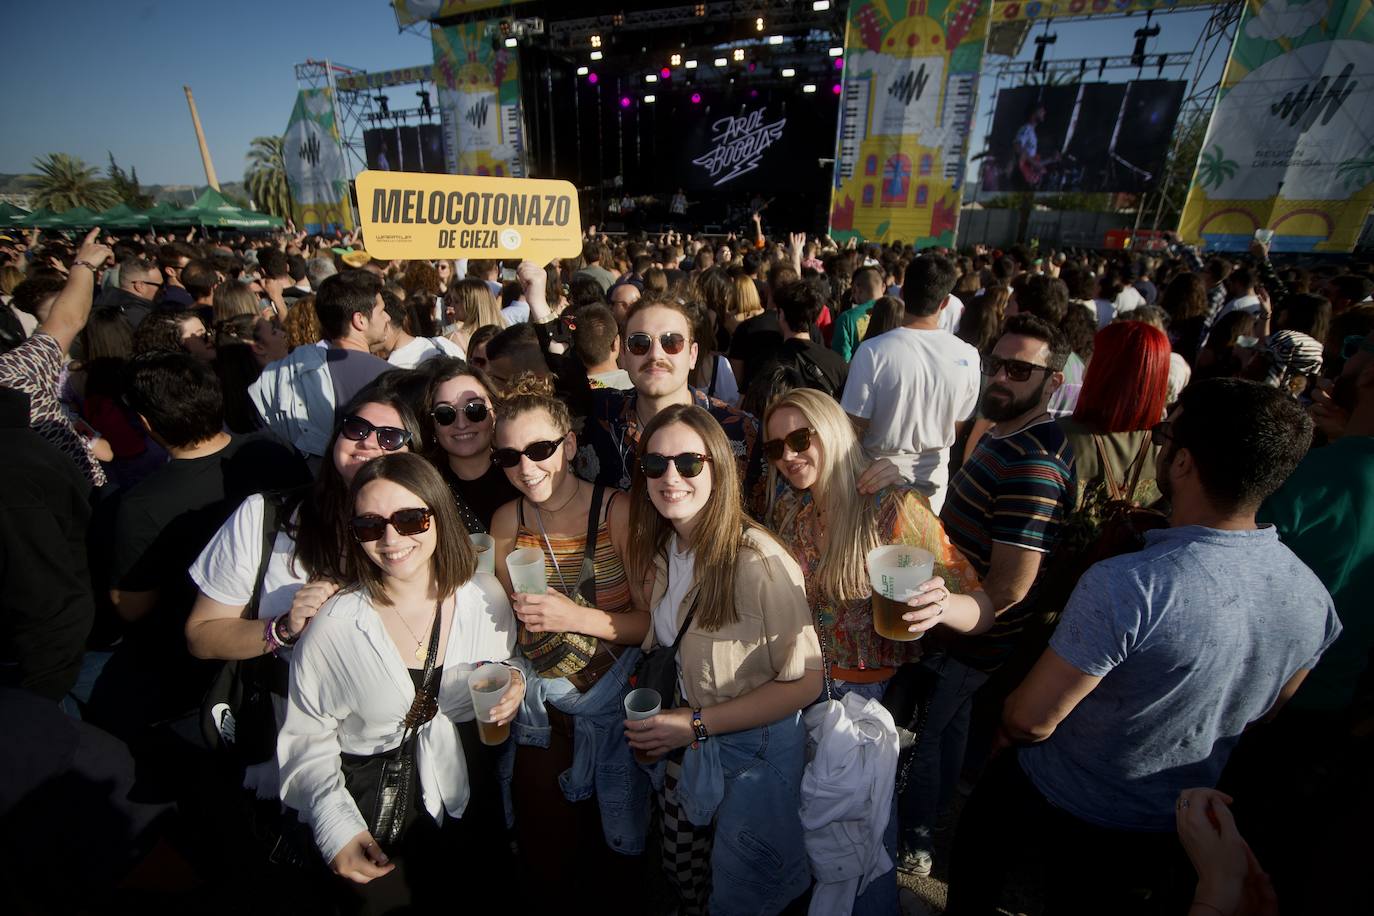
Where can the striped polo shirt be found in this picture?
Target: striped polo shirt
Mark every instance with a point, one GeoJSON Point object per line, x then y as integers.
{"type": "Point", "coordinates": [1014, 490]}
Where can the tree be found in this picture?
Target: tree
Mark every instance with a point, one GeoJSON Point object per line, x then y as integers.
{"type": "Point", "coordinates": [127, 186]}
{"type": "Point", "coordinates": [266, 176]}
{"type": "Point", "coordinates": [65, 182]}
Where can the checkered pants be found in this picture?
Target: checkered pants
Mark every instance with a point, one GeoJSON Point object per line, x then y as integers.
{"type": "Point", "coordinates": [686, 847]}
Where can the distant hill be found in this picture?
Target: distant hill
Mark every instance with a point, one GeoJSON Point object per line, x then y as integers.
{"type": "Point", "coordinates": [17, 190]}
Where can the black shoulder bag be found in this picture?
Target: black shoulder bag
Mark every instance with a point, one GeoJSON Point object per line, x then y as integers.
{"type": "Point", "coordinates": [382, 784]}
{"type": "Point", "coordinates": [657, 668]}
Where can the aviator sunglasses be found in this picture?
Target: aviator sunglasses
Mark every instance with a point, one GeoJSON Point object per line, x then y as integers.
{"type": "Point", "coordinates": [689, 464]}
{"type": "Point", "coordinates": [639, 343]}
{"type": "Point", "coordinates": [407, 522]}
{"type": "Point", "coordinates": [798, 440]}
{"type": "Point", "coordinates": [389, 438]}
{"type": "Point", "coordinates": [447, 414]}
{"type": "Point", "coordinates": [535, 451]}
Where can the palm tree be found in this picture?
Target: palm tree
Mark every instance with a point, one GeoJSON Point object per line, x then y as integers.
{"type": "Point", "coordinates": [266, 176]}
{"type": "Point", "coordinates": [65, 182]}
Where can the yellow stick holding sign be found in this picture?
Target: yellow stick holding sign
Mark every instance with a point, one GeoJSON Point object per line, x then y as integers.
{"type": "Point", "coordinates": [413, 215]}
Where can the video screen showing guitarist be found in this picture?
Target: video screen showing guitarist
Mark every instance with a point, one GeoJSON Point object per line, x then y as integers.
{"type": "Point", "coordinates": [1029, 169]}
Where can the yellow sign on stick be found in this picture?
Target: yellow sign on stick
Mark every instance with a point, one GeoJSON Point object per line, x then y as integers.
{"type": "Point", "coordinates": [413, 215]}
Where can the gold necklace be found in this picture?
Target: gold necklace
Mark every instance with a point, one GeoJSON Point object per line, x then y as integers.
{"type": "Point", "coordinates": [419, 643]}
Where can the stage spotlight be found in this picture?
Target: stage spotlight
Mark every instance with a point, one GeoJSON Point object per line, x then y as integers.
{"type": "Point", "coordinates": [696, 98]}
{"type": "Point", "coordinates": [651, 77]}
{"type": "Point", "coordinates": [593, 78]}
{"type": "Point", "coordinates": [650, 99]}
{"type": "Point", "coordinates": [753, 93]}
{"type": "Point", "coordinates": [739, 54]}
{"type": "Point", "coordinates": [675, 60]}
{"type": "Point", "coordinates": [511, 42]}
{"type": "Point", "coordinates": [835, 88]}
{"type": "Point", "coordinates": [665, 73]}
{"type": "Point", "coordinates": [758, 24]}
{"type": "Point", "coordinates": [836, 52]}
{"type": "Point", "coordinates": [820, 6]}
{"type": "Point", "coordinates": [624, 101]}
{"type": "Point", "coordinates": [775, 39]}
{"type": "Point", "coordinates": [596, 41]}
{"type": "Point", "coordinates": [839, 63]}
{"type": "Point", "coordinates": [788, 73]}
{"type": "Point", "coordinates": [596, 55]}
{"type": "Point", "coordinates": [690, 65]}
{"type": "Point", "coordinates": [721, 62]}
{"type": "Point", "coordinates": [699, 10]}
{"type": "Point", "coordinates": [583, 71]}
{"type": "Point", "coordinates": [809, 87]}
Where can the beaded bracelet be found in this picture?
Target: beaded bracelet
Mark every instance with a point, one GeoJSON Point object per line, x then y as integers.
{"type": "Point", "coordinates": [698, 729]}
{"type": "Point", "coordinates": [269, 636]}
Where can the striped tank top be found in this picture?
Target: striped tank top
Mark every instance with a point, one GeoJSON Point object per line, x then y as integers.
{"type": "Point", "coordinates": [612, 586]}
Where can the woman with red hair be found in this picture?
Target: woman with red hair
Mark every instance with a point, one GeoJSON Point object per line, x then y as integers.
{"type": "Point", "coordinates": [1124, 395]}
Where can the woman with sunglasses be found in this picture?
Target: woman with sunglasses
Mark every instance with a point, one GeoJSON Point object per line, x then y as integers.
{"type": "Point", "coordinates": [460, 405]}
{"type": "Point", "coordinates": [380, 700]}
{"type": "Point", "coordinates": [747, 661]}
{"type": "Point", "coordinates": [306, 562]}
{"type": "Point", "coordinates": [579, 636]}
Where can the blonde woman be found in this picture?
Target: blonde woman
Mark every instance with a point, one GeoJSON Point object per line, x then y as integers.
{"type": "Point", "coordinates": [747, 663]}
{"type": "Point", "coordinates": [744, 302]}
{"type": "Point", "coordinates": [234, 297]}
{"type": "Point", "coordinates": [469, 305]}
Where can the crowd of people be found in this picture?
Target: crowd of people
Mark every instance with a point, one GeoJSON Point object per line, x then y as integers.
{"type": "Point", "coordinates": [271, 507]}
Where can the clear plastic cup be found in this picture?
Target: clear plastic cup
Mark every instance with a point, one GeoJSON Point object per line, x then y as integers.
{"type": "Point", "coordinates": [487, 685]}
{"type": "Point", "coordinates": [643, 703]}
{"type": "Point", "coordinates": [526, 568]}
{"type": "Point", "coordinates": [895, 573]}
{"type": "Point", "coordinates": [485, 545]}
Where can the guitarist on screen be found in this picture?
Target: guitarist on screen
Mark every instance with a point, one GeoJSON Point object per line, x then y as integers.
{"type": "Point", "coordinates": [1030, 169]}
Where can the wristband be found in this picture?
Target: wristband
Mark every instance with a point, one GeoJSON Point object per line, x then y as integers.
{"type": "Point", "coordinates": [698, 728]}
{"type": "Point", "coordinates": [282, 634]}
{"type": "Point", "coordinates": [269, 636]}
{"type": "Point", "coordinates": [88, 265]}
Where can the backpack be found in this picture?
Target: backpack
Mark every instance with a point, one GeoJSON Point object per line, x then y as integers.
{"type": "Point", "coordinates": [813, 373]}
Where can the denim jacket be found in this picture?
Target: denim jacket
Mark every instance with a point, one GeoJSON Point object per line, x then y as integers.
{"type": "Point", "coordinates": [296, 399]}
{"type": "Point", "coordinates": [749, 784]}
{"type": "Point", "coordinates": [602, 762]}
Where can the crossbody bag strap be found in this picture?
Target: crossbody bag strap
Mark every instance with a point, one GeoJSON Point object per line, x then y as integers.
{"type": "Point", "coordinates": [1138, 466]}
{"type": "Point", "coordinates": [425, 704]}
{"type": "Point", "coordinates": [586, 576]}
{"type": "Point", "coordinates": [682, 631]}
{"type": "Point", "coordinates": [269, 539]}
{"type": "Point", "coordinates": [1113, 488]}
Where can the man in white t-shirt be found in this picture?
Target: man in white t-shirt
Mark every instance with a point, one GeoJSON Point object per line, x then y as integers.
{"type": "Point", "coordinates": [405, 351]}
{"type": "Point", "coordinates": [909, 387]}
{"type": "Point", "coordinates": [1240, 293]}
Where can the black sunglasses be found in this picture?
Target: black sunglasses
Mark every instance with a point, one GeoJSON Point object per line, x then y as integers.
{"type": "Point", "coordinates": [798, 440]}
{"type": "Point", "coordinates": [535, 451]}
{"type": "Point", "coordinates": [639, 343]}
{"type": "Point", "coordinates": [1017, 370]}
{"type": "Point", "coordinates": [389, 438]}
{"type": "Point", "coordinates": [447, 414]}
{"type": "Point", "coordinates": [367, 528]}
{"type": "Point", "coordinates": [689, 464]}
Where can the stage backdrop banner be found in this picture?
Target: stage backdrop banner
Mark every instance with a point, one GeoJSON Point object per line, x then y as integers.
{"type": "Point", "coordinates": [315, 167]}
{"type": "Point", "coordinates": [910, 81]}
{"type": "Point", "coordinates": [479, 101]}
{"type": "Point", "coordinates": [1017, 10]}
{"type": "Point", "coordinates": [414, 216]}
{"type": "Point", "coordinates": [1291, 144]}
{"type": "Point", "coordinates": [412, 11]}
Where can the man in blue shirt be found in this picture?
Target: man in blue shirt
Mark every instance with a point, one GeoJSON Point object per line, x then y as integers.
{"type": "Point", "coordinates": [1162, 658]}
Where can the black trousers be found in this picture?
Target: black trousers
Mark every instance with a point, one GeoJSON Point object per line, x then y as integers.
{"type": "Point", "coordinates": [1074, 867]}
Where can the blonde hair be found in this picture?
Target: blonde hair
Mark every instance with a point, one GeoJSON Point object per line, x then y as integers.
{"type": "Point", "coordinates": [744, 298]}
{"type": "Point", "coordinates": [233, 297]}
{"type": "Point", "coordinates": [851, 518]}
{"type": "Point", "coordinates": [473, 305]}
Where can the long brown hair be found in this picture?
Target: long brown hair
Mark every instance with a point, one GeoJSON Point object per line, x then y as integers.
{"type": "Point", "coordinates": [454, 561]}
{"type": "Point", "coordinates": [719, 534]}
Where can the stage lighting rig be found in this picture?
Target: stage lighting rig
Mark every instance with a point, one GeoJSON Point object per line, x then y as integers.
{"type": "Point", "coordinates": [596, 41]}
{"type": "Point", "coordinates": [820, 6]}
{"type": "Point", "coordinates": [382, 102]}
{"type": "Point", "coordinates": [1040, 44]}
{"type": "Point", "coordinates": [675, 60]}
{"type": "Point", "coordinates": [758, 24]}
{"type": "Point", "coordinates": [1141, 36]}
{"type": "Point", "coordinates": [690, 65]}
{"type": "Point", "coordinates": [738, 55]}
{"type": "Point", "coordinates": [721, 62]}
{"type": "Point", "coordinates": [426, 106]}
{"type": "Point", "coordinates": [596, 55]}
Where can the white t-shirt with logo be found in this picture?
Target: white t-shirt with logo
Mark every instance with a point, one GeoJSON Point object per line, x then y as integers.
{"type": "Point", "coordinates": [912, 387]}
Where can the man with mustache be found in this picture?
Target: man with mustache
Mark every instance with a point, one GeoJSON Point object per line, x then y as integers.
{"type": "Point", "coordinates": [659, 354]}
{"type": "Point", "coordinates": [1003, 510]}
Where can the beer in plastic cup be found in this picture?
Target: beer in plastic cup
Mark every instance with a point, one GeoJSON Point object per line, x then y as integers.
{"type": "Point", "coordinates": [643, 703]}
{"type": "Point", "coordinates": [488, 684]}
{"type": "Point", "coordinates": [895, 573]}
{"type": "Point", "coordinates": [526, 568]}
{"type": "Point", "coordinates": [485, 545]}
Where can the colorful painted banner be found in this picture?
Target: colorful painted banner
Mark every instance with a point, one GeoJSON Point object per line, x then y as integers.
{"type": "Point", "coordinates": [412, 215]}
{"type": "Point", "coordinates": [384, 78]}
{"type": "Point", "coordinates": [315, 167]}
{"type": "Point", "coordinates": [910, 87]}
{"type": "Point", "coordinates": [1291, 144]}
{"type": "Point", "coordinates": [411, 11]}
{"type": "Point", "coordinates": [1020, 10]}
{"type": "Point", "coordinates": [479, 101]}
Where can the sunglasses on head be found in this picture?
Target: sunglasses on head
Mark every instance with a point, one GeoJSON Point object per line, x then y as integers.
{"type": "Point", "coordinates": [535, 451]}
{"type": "Point", "coordinates": [689, 464]}
{"type": "Point", "coordinates": [367, 528]}
{"type": "Point", "coordinates": [389, 438]}
{"type": "Point", "coordinates": [1017, 370]}
{"type": "Point", "coordinates": [447, 414]}
{"type": "Point", "coordinates": [640, 343]}
{"type": "Point", "coordinates": [798, 440]}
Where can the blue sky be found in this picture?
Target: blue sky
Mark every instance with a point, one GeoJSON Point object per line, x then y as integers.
{"type": "Point", "coordinates": [88, 76]}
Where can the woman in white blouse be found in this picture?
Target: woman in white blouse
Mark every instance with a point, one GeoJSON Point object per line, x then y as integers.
{"type": "Point", "coordinates": [354, 677]}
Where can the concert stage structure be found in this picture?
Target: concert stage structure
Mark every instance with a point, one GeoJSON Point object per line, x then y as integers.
{"type": "Point", "coordinates": [854, 117]}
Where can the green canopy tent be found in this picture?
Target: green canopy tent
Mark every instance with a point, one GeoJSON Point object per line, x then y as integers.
{"type": "Point", "coordinates": [122, 216]}
{"type": "Point", "coordinates": [214, 211]}
{"type": "Point", "coordinates": [166, 213]}
{"type": "Point", "coordinates": [10, 215]}
{"type": "Point", "coordinates": [77, 218]}
{"type": "Point", "coordinates": [42, 218]}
